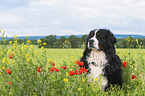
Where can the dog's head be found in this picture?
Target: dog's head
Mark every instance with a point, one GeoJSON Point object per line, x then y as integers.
{"type": "Point", "coordinates": [100, 39]}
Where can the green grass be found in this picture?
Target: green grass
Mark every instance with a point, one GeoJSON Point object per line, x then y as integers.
{"type": "Point", "coordinates": [25, 80]}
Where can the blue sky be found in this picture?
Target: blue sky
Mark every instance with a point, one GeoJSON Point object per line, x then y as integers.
{"type": "Point", "coordinates": [67, 17]}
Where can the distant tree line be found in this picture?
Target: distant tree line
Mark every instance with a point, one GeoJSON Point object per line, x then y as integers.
{"type": "Point", "coordinates": [130, 42]}
{"type": "Point", "coordinates": [53, 42]}
{"type": "Point", "coordinates": [73, 41]}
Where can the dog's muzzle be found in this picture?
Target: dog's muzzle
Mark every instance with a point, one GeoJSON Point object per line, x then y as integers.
{"type": "Point", "coordinates": [91, 46]}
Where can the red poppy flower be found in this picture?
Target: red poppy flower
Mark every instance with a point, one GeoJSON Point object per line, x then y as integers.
{"type": "Point", "coordinates": [9, 82]}
{"type": "Point", "coordinates": [63, 67]}
{"type": "Point", "coordinates": [52, 63]}
{"type": "Point", "coordinates": [53, 68]}
{"type": "Point", "coordinates": [80, 63]}
{"type": "Point", "coordinates": [57, 70]}
{"type": "Point", "coordinates": [11, 56]}
{"type": "Point", "coordinates": [83, 70]}
{"type": "Point", "coordinates": [76, 72]}
{"type": "Point", "coordinates": [77, 62]}
{"type": "Point", "coordinates": [124, 64]}
{"type": "Point", "coordinates": [8, 71]}
{"type": "Point", "coordinates": [86, 70]}
{"type": "Point", "coordinates": [38, 69]}
{"type": "Point", "coordinates": [133, 77]}
{"type": "Point", "coordinates": [71, 73]}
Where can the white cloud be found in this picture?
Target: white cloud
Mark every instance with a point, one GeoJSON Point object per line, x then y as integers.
{"type": "Point", "coordinates": [44, 17]}
{"type": "Point", "coordinates": [10, 18]}
{"type": "Point", "coordinates": [56, 21]}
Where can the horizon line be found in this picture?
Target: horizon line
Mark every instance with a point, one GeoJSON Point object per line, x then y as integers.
{"type": "Point", "coordinates": [65, 35]}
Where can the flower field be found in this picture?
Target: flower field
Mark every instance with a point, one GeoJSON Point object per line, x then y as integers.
{"type": "Point", "coordinates": [29, 71]}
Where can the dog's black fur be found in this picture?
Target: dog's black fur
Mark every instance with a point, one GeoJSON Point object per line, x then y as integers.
{"type": "Point", "coordinates": [112, 70]}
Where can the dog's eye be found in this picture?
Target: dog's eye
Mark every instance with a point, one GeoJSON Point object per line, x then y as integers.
{"type": "Point", "coordinates": [92, 34]}
{"type": "Point", "coordinates": [98, 34]}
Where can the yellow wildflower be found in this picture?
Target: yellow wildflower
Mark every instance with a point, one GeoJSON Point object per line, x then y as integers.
{"type": "Point", "coordinates": [31, 46]}
{"type": "Point", "coordinates": [27, 36]}
{"type": "Point", "coordinates": [42, 47]}
{"type": "Point", "coordinates": [8, 51]}
{"type": "Point", "coordinates": [44, 43]}
{"type": "Point", "coordinates": [13, 45]}
{"type": "Point", "coordinates": [15, 42]}
{"type": "Point", "coordinates": [50, 60]}
{"type": "Point", "coordinates": [13, 53]}
{"type": "Point", "coordinates": [72, 57]}
{"type": "Point", "coordinates": [8, 62]}
{"type": "Point", "coordinates": [25, 46]}
{"type": "Point", "coordinates": [22, 48]}
{"type": "Point", "coordinates": [27, 55]}
{"type": "Point", "coordinates": [65, 80]}
{"type": "Point", "coordinates": [39, 41]}
{"type": "Point", "coordinates": [3, 61]}
{"type": "Point", "coordinates": [10, 42]}
{"type": "Point", "coordinates": [23, 51]}
{"type": "Point", "coordinates": [96, 79]}
{"type": "Point", "coordinates": [3, 68]}
{"type": "Point", "coordinates": [0, 73]}
{"type": "Point", "coordinates": [136, 40]}
{"type": "Point", "coordinates": [15, 36]}
{"type": "Point", "coordinates": [79, 89]}
{"type": "Point", "coordinates": [28, 41]}
{"type": "Point", "coordinates": [113, 88]}
{"type": "Point", "coordinates": [83, 80]}
{"type": "Point", "coordinates": [66, 74]}
{"type": "Point", "coordinates": [22, 44]}
{"type": "Point", "coordinates": [28, 60]}
{"type": "Point", "coordinates": [34, 92]}
{"type": "Point", "coordinates": [13, 62]}
{"type": "Point", "coordinates": [36, 52]}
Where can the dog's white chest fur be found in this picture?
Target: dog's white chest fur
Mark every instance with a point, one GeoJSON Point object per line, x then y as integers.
{"type": "Point", "coordinates": [97, 61]}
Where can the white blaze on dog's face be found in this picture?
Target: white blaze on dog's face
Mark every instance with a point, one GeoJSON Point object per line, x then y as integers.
{"type": "Point", "coordinates": [93, 41]}
{"type": "Point", "coordinates": [100, 39]}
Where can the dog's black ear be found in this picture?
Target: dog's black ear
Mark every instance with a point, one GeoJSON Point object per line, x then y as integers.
{"type": "Point", "coordinates": [111, 39]}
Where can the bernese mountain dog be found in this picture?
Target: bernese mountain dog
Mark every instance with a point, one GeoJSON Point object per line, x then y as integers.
{"type": "Point", "coordinates": [100, 58]}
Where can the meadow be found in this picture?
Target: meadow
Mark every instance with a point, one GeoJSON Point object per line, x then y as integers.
{"type": "Point", "coordinates": [31, 71]}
